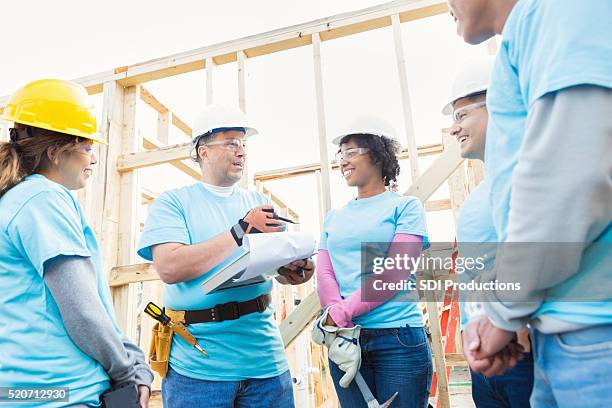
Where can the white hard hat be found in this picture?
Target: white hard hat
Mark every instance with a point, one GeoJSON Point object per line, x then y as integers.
{"type": "Point", "coordinates": [473, 78]}
{"type": "Point", "coordinates": [216, 118]}
{"type": "Point", "coordinates": [370, 125]}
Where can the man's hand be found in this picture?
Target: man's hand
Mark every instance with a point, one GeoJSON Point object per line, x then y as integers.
{"type": "Point", "coordinates": [488, 349]}
{"type": "Point", "coordinates": [261, 219]}
{"type": "Point", "coordinates": [144, 393]}
{"type": "Point", "coordinates": [258, 219]}
{"type": "Point", "coordinates": [296, 273]}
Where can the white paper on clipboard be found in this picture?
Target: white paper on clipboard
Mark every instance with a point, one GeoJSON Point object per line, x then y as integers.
{"type": "Point", "coordinates": [268, 252]}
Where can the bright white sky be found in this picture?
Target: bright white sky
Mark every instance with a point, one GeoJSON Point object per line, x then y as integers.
{"type": "Point", "coordinates": [70, 39]}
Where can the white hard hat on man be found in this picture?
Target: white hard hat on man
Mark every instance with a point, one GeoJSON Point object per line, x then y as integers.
{"type": "Point", "coordinates": [473, 78]}
{"type": "Point", "coordinates": [219, 118]}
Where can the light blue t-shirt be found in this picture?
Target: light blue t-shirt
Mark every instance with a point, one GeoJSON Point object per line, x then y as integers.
{"type": "Point", "coordinates": [547, 46]}
{"type": "Point", "coordinates": [374, 219]}
{"type": "Point", "coordinates": [40, 220]}
{"type": "Point", "coordinates": [475, 237]}
{"type": "Point", "coordinates": [249, 347]}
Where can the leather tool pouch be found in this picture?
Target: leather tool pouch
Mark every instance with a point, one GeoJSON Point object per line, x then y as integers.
{"type": "Point", "coordinates": [159, 350]}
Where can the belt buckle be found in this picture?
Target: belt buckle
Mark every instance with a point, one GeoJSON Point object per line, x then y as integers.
{"type": "Point", "coordinates": [229, 307]}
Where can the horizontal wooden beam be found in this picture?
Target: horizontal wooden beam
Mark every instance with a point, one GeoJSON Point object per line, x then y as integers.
{"type": "Point", "coordinates": [299, 318]}
{"type": "Point", "coordinates": [154, 157]}
{"type": "Point", "coordinates": [305, 169]}
{"type": "Point", "coordinates": [124, 275]}
{"type": "Point", "coordinates": [282, 39]}
{"type": "Point", "coordinates": [185, 165]}
{"type": "Point", "coordinates": [329, 28]}
{"type": "Point", "coordinates": [438, 205]}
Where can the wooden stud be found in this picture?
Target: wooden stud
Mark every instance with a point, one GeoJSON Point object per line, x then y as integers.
{"type": "Point", "coordinates": [405, 94]}
{"type": "Point", "coordinates": [164, 121]}
{"type": "Point", "coordinates": [244, 181]}
{"type": "Point", "coordinates": [436, 345]}
{"type": "Point", "coordinates": [456, 182]}
{"type": "Point", "coordinates": [210, 68]}
{"type": "Point", "coordinates": [475, 173]}
{"type": "Point", "coordinates": [129, 204]}
{"type": "Point", "coordinates": [105, 215]}
{"type": "Point", "coordinates": [323, 153]}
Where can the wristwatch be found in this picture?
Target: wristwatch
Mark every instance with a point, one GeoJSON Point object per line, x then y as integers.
{"type": "Point", "coordinates": [238, 233]}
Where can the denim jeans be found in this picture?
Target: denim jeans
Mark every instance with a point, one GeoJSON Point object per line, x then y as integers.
{"type": "Point", "coordinates": [392, 360]}
{"type": "Point", "coordinates": [179, 391]}
{"type": "Point", "coordinates": [510, 390]}
{"type": "Point", "coordinates": [573, 369]}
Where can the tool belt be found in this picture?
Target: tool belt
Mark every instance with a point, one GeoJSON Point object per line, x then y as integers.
{"type": "Point", "coordinates": [161, 340]}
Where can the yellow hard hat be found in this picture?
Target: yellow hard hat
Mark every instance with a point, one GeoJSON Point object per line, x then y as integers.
{"type": "Point", "coordinates": [54, 104]}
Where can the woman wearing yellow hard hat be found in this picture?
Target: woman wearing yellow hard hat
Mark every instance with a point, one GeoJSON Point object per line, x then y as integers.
{"type": "Point", "coordinates": [57, 325]}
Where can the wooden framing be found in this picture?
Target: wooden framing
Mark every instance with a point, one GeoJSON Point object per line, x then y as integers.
{"type": "Point", "coordinates": [325, 193]}
{"type": "Point", "coordinates": [405, 94]}
{"type": "Point", "coordinates": [115, 197]}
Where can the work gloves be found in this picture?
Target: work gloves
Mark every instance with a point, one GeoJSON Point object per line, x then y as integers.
{"type": "Point", "coordinates": [258, 219]}
{"type": "Point", "coordinates": [321, 334]}
{"type": "Point", "coordinates": [346, 352]}
{"type": "Point", "coordinates": [343, 344]}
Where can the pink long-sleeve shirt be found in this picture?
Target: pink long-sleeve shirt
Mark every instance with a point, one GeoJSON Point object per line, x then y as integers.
{"type": "Point", "coordinates": [343, 310]}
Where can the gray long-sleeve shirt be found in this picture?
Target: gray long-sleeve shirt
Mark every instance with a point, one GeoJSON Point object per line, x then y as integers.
{"type": "Point", "coordinates": [72, 283]}
{"type": "Point", "coordinates": [561, 193]}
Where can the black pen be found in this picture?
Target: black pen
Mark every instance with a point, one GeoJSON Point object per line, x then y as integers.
{"type": "Point", "coordinates": [278, 217]}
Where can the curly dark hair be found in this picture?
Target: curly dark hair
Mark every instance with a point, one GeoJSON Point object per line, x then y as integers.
{"type": "Point", "coordinates": [383, 153]}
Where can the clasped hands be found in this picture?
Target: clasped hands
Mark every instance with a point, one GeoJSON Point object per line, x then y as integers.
{"type": "Point", "coordinates": [488, 349]}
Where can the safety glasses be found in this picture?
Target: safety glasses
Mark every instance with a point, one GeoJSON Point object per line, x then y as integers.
{"type": "Point", "coordinates": [350, 154]}
{"type": "Point", "coordinates": [230, 144]}
{"type": "Point", "coordinates": [462, 113]}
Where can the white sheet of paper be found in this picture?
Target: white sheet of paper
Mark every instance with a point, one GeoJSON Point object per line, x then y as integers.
{"type": "Point", "coordinates": [268, 252]}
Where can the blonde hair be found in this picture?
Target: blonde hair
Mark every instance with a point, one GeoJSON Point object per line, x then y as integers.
{"type": "Point", "coordinates": [28, 152]}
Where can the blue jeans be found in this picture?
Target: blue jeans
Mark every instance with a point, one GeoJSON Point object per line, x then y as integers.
{"type": "Point", "coordinates": [510, 390]}
{"type": "Point", "coordinates": [573, 369]}
{"type": "Point", "coordinates": [392, 360]}
{"type": "Point", "coordinates": [179, 391]}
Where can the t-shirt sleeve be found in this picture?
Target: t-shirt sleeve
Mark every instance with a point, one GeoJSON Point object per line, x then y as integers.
{"type": "Point", "coordinates": [410, 219]}
{"type": "Point", "coordinates": [165, 223]}
{"type": "Point", "coordinates": [47, 226]}
{"type": "Point", "coordinates": [574, 49]}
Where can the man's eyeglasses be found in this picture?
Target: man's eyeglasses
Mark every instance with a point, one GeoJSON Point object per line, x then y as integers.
{"type": "Point", "coordinates": [349, 154]}
{"type": "Point", "coordinates": [462, 113]}
{"type": "Point", "coordinates": [230, 144]}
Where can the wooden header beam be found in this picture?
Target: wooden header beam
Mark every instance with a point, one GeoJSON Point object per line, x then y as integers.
{"type": "Point", "coordinates": [282, 39]}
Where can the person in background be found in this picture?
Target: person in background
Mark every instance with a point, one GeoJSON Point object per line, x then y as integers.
{"type": "Point", "coordinates": [57, 321]}
{"type": "Point", "coordinates": [476, 234]}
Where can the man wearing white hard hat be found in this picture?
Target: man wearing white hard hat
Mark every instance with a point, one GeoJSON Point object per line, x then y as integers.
{"type": "Point", "coordinates": [369, 324]}
{"type": "Point", "coordinates": [190, 233]}
{"type": "Point", "coordinates": [476, 235]}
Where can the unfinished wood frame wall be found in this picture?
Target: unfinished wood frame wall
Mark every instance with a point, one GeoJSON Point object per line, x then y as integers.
{"type": "Point", "coordinates": [112, 202]}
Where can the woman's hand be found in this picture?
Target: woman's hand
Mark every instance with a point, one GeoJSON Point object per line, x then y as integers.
{"type": "Point", "coordinates": [296, 273]}
{"type": "Point", "coordinates": [330, 321]}
{"type": "Point", "coordinates": [144, 393]}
